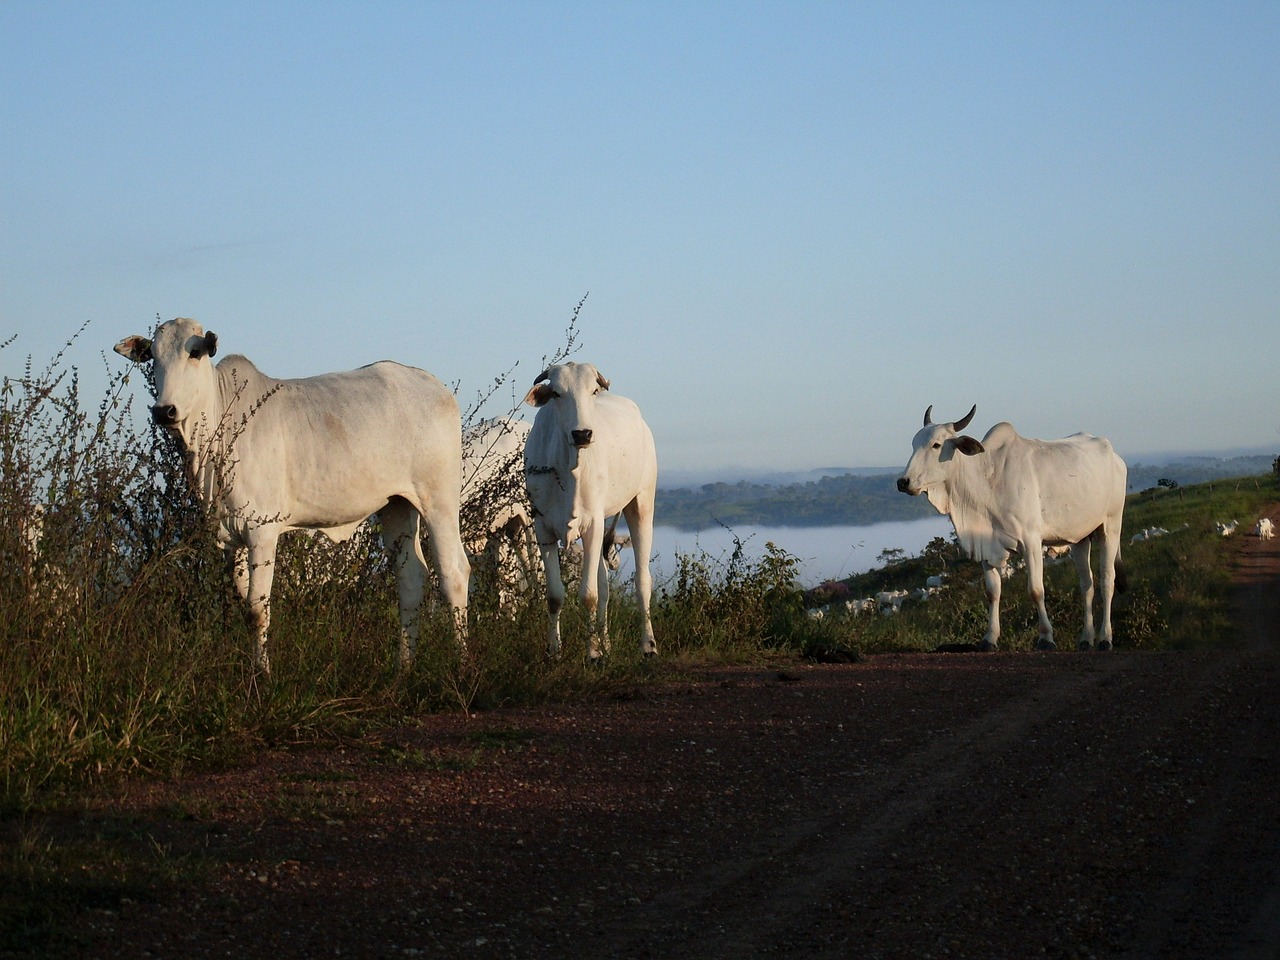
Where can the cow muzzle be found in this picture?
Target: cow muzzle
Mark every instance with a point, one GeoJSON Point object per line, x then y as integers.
{"type": "Point", "coordinates": [164, 415]}
{"type": "Point", "coordinates": [904, 486]}
{"type": "Point", "coordinates": [581, 438]}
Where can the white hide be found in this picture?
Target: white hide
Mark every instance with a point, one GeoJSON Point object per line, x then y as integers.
{"type": "Point", "coordinates": [317, 454]}
{"type": "Point", "coordinates": [500, 536]}
{"type": "Point", "coordinates": [589, 456]}
{"type": "Point", "coordinates": [1011, 493]}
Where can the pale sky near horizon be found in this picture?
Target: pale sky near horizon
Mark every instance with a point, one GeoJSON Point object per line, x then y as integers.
{"type": "Point", "coordinates": [798, 223]}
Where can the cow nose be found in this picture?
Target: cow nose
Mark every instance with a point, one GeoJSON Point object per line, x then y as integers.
{"type": "Point", "coordinates": [903, 485]}
{"type": "Point", "coordinates": [164, 414]}
{"type": "Point", "coordinates": [581, 438]}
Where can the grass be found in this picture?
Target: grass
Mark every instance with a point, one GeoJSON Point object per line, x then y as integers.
{"type": "Point", "coordinates": [124, 652]}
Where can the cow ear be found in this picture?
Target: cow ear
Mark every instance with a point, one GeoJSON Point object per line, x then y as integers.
{"type": "Point", "coordinates": [604, 384]}
{"type": "Point", "coordinates": [135, 348]}
{"type": "Point", "coordinates": [206, 346]}
{"type": "Point", "coordinates": [968, 446]}
{"type": "Point", "coordinates": [539, 395]}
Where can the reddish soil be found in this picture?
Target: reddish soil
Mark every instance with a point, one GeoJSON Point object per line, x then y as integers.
{"type": "Point", "coordinates": [964, 805]}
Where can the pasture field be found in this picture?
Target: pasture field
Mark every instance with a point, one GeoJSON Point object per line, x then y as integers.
{"type": "Point", "coordinates": [125, 651]}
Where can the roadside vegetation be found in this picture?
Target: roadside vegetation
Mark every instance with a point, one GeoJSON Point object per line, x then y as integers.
{"type": "Point", "coordinates": [125, 651]}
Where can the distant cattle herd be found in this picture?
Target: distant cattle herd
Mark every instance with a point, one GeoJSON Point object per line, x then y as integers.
{"type": "Point", "coordinates": [324, 453]}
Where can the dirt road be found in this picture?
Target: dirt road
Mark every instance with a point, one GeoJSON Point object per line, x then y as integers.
{"type": "Point", "coordinates": [986, 806]}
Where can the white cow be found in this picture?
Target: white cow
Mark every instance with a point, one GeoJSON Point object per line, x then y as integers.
{"type": "Point", "coordinates": [1013, 493]}
{"type": "Point", "coordinates": [322, 453]}
{"type": "Point", "coordinates": [497, 527]}
{"type": "Point", "coordinates": [1265, 529]}
{"type": "Point", "coordinates": [589, 456]}
{"type": "Point", "coordinates": [890, 601]}
{"type": "Point", "coordinates": [859, 606]}
{"type": "Point", "coordinates": [1226, 529]}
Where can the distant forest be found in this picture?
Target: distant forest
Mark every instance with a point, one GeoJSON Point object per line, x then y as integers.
{"type": "Point", "coordinates": [862, 499]}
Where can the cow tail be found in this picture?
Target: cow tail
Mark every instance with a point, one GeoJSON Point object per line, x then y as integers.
{"type": "Point", "coordinates": [1122, 577]}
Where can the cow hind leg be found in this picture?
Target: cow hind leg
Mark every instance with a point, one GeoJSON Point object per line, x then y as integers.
{"type": "Point", "coordinates": [449, 558]}
{"type": "Point", "coordinates": [400, 535]}
{"type": "Point", "coordinates": [640, 524]}
{"type": "Point", "coordinates": [1080, 555]}
{"type": "Point", "coordinates": [1111, 574]}
{"type": "Point", "coordinates": [602, 612]}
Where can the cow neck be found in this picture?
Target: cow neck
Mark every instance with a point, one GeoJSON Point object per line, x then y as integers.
{"type": "Point", "coordinates": [238, 389]}
{"type": "Point", "coordinates": [968, 492]}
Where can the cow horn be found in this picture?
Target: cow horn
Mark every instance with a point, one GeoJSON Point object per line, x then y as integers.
{"type": "Point", "coordinates": [964, 421]}
{"type": "Point", "coordinates": [544, 375]}
{"type": "Point", "coordinates": [928, 415]}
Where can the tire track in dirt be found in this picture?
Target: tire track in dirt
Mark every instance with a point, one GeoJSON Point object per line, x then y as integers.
{"type": "Point", "coordinates": [751, 906]}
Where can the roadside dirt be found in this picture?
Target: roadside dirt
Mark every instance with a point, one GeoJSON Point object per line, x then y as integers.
{"type": "Point", "coordinates": [974, 805]}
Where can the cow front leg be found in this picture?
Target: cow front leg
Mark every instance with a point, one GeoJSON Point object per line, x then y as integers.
{"type": "Point", "coordinates": [600, 644]}
{"type": "Point", "coordinates": [261, 569]}
{"type": "Point", "coordinates": [594, 591]}
{"type": "Point", "coordinates": [991, 581]}
{"type": "Point", "coordinates": [550, 551]}
{"type": "Point", "coordinates": [1034, 553]}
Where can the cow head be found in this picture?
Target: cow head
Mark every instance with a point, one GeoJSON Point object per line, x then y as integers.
{"type": "Point", "coordinates": [572, 388]}
{"type": "Point", "coordinates": [933, 451]}
{"type": "Point", "coordinates": [181, 369]}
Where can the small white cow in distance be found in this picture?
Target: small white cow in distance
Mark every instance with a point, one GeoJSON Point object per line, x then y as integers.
{"type": "Point", "coordinates": [589, 456]}
{"type": "Point", "coordinates": [1265, 529]}
{"type": "Point", "coordinates": [321, 454]}
{"type": "Point", "coordinates": [1226, 529]}
{"type": "Point", "coordinates": [1013, 493]}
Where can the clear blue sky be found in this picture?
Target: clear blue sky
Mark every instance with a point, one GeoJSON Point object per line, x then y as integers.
{"type": "Point", "coordinates": [799, 223]}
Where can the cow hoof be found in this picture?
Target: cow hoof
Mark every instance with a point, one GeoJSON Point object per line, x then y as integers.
{"type": "Point", "coordinates": [1084, 645]}
{"type": "Point", "coordinates": [1046, 645]}
{"type": "Point", "coordinates": [1104, 644]}
{"type": "Point", "coordinates": [986, 646]}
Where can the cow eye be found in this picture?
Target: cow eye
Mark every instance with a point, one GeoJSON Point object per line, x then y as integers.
{"type": "Point", "coordinates": [937, 446]}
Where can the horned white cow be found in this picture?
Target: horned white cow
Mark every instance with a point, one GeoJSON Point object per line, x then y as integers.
{"type": "Point", "coordinates": [1013, 493]}
{"type": "Point", "coordinates": [318, 454]}
{"type": "Point", "coordinates": [589, 456]}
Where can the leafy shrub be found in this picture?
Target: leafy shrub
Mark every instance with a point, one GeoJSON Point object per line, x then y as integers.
{"type": "Point", "coordinates": [733, 606]}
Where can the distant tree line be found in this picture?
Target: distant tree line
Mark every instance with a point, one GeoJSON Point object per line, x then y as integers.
{"type": "Point", "coordinates": [829, 501]}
